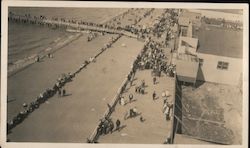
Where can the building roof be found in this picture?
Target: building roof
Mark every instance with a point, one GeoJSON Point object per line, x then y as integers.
{"type": "Point", "coordinates": [219, 41]}
{"type": "Point", "coordinates": [187, 67]}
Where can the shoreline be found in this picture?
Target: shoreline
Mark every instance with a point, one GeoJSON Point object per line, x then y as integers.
{"type": "Point", "coordinates": [21, 64]}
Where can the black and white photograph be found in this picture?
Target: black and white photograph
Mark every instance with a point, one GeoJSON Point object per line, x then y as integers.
{"type": "Point", "coordinates": [124, 73]}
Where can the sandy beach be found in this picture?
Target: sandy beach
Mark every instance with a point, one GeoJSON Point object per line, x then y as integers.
{"type": "Point", "coordinates": [71, 120]}
{"type": "Point", "coordinates": [42, 75]}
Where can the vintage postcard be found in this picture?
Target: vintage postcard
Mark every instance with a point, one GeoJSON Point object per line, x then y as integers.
{"type": "Point", "coordinates": [98, 74]}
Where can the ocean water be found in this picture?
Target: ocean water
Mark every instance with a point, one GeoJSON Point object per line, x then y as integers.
{"type": "Point", "coordinates": [25, 40]}
{"type": "Point", "coordinates": [95, 15]}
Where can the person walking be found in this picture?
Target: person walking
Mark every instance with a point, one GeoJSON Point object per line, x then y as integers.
{"type": "Point", "coordinates": [136, 89]}
{"type": "Point", "coordinates": [122, 101]}
{"type": "Point", "coordinates": [154, 80]}
{"type": "Point", "coordinates": [154, 95]}
{"type": "Point", "coordinates": [59, 92]}
{"type": "Point", "coordinates": [111, 126]}
{"type": "Point", "coordinates": [118, 124]}
{"type": "Point", "coordinates": [130, 97]}
{"type": "Point", "coordinates": [131, 82]}
{"type": "Point", "coordinates": [143, 83]}
{"type": "Point", "coordinates": [63, 92]}
{"type": "Point", "coordinates": [142, 119]}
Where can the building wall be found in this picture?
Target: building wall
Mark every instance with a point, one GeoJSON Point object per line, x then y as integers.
{"type": "Point", "coordinates": [209, 72]}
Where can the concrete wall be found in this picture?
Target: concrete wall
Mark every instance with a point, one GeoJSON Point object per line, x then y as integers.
{"type": "Point", "coordinates": [209, 72]}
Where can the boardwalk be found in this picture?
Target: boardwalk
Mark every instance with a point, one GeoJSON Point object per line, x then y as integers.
{"type": "Point", "coordinates": [155, 125]}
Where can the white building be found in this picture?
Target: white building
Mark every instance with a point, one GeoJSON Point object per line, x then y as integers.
{"type": "Point", "coordinates": [217, 50]}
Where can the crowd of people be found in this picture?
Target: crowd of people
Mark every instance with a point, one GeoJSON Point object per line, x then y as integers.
{"type": "Point", "coordinates": [152, 57]}
{"type": "Point", "coordinates": [150, 51]}
{"type": "Point", "coordinates": [44, 21]}
{"type": "Point", "coordinates": [91, 36]}
{"type": "Point", "coordinates": [167, 20]}
{"type": "Point", "coordinates": [157, 30]}
{"type": "Point", "coordinates": [102, 127]}
{"type": "Point", "coordinates": [107, 125]}
{"type": "Point", "coordinates": [155, 59]}
{"type": "Point", "coordinates": [167, 105]}
{"type": "Point", "coordinates": [43, 97]}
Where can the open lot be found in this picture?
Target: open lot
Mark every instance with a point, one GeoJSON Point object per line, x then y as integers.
{"type": "Point", "coordinates": [213, 106]}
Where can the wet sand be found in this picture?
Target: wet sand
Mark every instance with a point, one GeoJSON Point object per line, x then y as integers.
{"type": "Point", "coordinates": [74, 117]}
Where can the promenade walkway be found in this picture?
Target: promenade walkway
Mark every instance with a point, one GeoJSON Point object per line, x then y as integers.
{"type": "Point", "coordinates": [155, 125]}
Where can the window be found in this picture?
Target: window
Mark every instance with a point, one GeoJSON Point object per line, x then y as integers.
{"type": "Point", "coordinates": [201, 61]}
{"type": "Point", "coordinates": [183, 31]}
{"type": "Point", "coordinates": [222, 65]}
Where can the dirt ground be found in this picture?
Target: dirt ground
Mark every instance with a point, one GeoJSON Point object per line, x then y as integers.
{"type": "Point", "coordinates": [217, 107]}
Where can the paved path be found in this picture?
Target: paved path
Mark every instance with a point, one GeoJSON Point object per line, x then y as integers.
{"type": "Point", "coordinates": [155, 129]}
{"type": "Point", "coordinates": [74, 117]}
